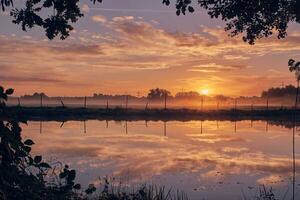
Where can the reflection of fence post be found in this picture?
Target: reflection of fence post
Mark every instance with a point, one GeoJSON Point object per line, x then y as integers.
{"type": "Point", "coordinates": [165, 128]}
{"type": "Point", "coordinates": [84, 126]}
{"type": "Point", "coordinates": [41, 127]}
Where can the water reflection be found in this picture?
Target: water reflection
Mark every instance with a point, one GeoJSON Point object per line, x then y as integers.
{"type": "Point", "coordinates": [208, 159]}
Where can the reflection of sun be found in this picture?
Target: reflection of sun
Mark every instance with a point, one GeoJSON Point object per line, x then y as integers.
{"type": "Point", "coordinates": [205, 91]}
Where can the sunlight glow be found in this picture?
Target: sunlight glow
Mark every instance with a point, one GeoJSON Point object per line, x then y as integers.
{"type": "Point", "coordinates": [205, 91]}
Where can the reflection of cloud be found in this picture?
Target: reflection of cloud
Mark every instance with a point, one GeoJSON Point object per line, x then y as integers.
{"type": "Point", "coordinates": [272, 180]}
{"type": "Point", "coordinates": [214, 138]}
{"type": "Point", "coordinates": [143, 156]}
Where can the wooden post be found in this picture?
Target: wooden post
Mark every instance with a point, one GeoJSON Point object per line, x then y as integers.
{"type": "Point", "coordinates": [126, 102]}
{"type": "Point", "coordinates": [107, 104]}
{"type": "Point", "coordinates": [267, 103]}
{"type": "Point", "coordinates": [84, 102]}
{"type": "Point", "coordinates": [235, 104]}
{"type": "Point", "coordinates": [202, 100]}
{"type": "Point", "coordinates": [146, 107]}
{"type": "Point", "coordinates": [41, 100]}
{"type": "Point", "coordinates": [62, 103]}
{"type": "Point", "coordinates": [165, 100]}
{"type": "Point", "coordinates": [218, 105]}
{"type": "Point", "coordinates": [252, 106]}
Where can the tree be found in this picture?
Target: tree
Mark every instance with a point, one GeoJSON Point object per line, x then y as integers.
{"type": "Point", "coordinates": [156, 94]}
{"type": "Point", "coordinates": [64, 12]}
{"type": "Point", "coordinates": [256, 19]}
{"type": "Point", "coordinates": [295, 67]}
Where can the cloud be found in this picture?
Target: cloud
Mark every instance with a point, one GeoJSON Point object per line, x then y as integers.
{"type": "Point", "coordinates": [213, 67]}
{"type": "Point", "coordinates": [85, 8]}
{"type": "Point", "coordinates": [140, 48]}
{"type": "Point", "coordinates": [99, 18]}
{"type": "Point", "coordinates": [29, 79]}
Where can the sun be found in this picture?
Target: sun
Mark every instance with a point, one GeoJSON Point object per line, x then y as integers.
{"type": "Point", "coordinates": [205, 91]}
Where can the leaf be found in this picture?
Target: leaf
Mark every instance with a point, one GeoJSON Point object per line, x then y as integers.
{"type": "Point", "coordinates": [71, 175]}
{"type": "Point", "coordinates": [4, 96]}
{"type": "Point", "coordinates": [27, 149]}
{"type": "Point", "coordinates": [191, 9]}
{"type": "Point", "coordinates": [77, 186]}
{"type": "Point", "coordinates": [9, 91]}
{"type": "Point", "coordinates": [29, 142]}
{"type": "Point", "coordinates": [37, 159]}
{"type": "Point", "coordinates": [62, 175]}
{"type": "Point", "coordinates": [1, 89]}
{"type": "Point", "coordinates": [90, 189]}
{"type": "Point", "coordinates": [44, 165]}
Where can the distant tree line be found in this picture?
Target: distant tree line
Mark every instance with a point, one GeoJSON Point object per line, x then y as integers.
{"type": "Point", "coordinates": [159, 94]}
{"type": "Point", "coordinates": [279, 92]}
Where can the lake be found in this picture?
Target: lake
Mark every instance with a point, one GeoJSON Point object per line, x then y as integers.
{"type": "Point", "coordinates": [207, 159]}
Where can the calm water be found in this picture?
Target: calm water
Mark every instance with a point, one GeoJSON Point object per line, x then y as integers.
{"type": "Point", "coordinates": [208, 160]}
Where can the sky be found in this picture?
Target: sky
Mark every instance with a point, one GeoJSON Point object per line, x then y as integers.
{"type": "Point", "coordinates": [131, 46]}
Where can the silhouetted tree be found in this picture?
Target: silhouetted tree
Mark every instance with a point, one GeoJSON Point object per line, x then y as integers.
{"type": "Point", "coordinates": [221, 98]}
{"type": "Point", "coordinates": [257, 19]}
{"type": "Point", "coordinates": [155, 94]}
{"type": "Point", "coordinates": [277, 92]}
{"type": "Point", "coordinates": [295, 67]}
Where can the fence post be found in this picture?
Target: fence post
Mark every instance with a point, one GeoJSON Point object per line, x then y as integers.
{"type": "Point", "coordinates": [84, 102]}
{"type": "Point", "coordinates": [41, 100]}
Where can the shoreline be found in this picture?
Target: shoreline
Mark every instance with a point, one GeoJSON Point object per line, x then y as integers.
{"type": "Point", "coordinates": [62, 114]}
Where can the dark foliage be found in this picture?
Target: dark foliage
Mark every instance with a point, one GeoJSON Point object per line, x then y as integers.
{"type": "Point", "coordinates": [279, 92]}
{"type": "Point", "coordinates": [58, 23]}
{"type": "Point", "coordinates": [156, 94]}
{"type": "Point", "coordinates": [23, 176]}
{"type": "Point", "coordinates": [256, 19]}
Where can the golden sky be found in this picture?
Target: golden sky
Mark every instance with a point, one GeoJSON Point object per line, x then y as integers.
{"type": "Point", "coordinates": [131, 52]}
